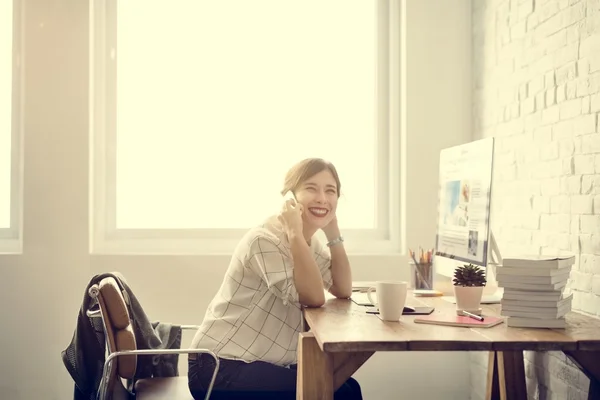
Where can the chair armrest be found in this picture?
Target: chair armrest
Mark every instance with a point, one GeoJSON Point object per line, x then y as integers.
{"type": "Point", "coordinates": [190, 327]}
{"type": "Point", "coordinates": [93, 313]}
{"type": "Point", "coordinates": [107, 363]}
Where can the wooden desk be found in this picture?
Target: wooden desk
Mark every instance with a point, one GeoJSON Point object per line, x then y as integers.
{"type": "Point", "coordinates": [343, 336]}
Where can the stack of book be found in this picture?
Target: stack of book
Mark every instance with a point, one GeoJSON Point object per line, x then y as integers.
{"type": "Point", "coordinates": [534, 291]}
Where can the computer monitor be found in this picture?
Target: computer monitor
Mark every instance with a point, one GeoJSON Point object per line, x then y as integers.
{"type": "Point", "coordinates": [463, 233]}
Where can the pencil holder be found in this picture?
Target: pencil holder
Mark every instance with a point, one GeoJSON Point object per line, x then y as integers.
{"type": "Point", "coordinates": [421, 275]}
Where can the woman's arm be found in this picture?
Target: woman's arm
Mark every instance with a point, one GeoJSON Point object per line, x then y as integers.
{"type": "Point", "coordinates": [341, 273]}
{"type": "Point", "coordinates": [307, 277]}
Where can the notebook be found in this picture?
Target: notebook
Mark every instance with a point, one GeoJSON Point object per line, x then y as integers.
{"type": "Point", "coordinates": [459, 320]}
{"type": "Point", "coordinates": [361, 298]}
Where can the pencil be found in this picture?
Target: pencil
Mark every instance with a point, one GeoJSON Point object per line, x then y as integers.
{"type": "Point", "coordinates": [418, 270]}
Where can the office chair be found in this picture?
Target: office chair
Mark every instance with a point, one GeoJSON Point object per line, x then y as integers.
{"type": "Point", "coordinates": [121, 362]}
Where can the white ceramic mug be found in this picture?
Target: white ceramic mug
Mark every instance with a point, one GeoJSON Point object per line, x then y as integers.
{"type": "Point", "coordinates": [391, 297]}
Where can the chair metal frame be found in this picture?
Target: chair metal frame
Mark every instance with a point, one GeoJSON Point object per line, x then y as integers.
{"type": "Point", "coordinates": [103, 390]}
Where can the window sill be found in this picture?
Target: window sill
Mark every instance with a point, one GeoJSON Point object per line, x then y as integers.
{"type": "Point", "coordinates": [217, 247]}
{"type": "Point", "coordinates": [11, 246]}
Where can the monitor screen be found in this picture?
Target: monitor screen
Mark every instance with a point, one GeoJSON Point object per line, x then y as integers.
{"type": "Point", "coordinates": [465, 179]}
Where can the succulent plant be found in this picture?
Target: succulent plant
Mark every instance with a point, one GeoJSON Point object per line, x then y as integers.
{"type": "Point", "coordinates": [469, 275]}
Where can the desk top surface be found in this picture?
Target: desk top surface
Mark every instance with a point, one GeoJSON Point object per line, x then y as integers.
{"type": "Point", "coordinates": [342, 325]}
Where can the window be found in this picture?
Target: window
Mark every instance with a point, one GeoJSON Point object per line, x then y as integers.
{"type": "Point", "coordinates": [9, 129]}
{"type": "Point", "coordinates": [196, 123]}
{"type": "Point", "coordinates": [5, 112]}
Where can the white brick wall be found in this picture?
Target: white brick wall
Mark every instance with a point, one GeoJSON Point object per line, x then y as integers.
{"type": "Point", "coordinates": [537, 90]}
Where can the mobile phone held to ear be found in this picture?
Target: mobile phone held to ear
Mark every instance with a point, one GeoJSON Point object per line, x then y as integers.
{"type": "Point", "coordinates": [289, 195]}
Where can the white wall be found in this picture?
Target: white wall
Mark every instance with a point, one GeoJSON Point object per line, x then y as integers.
{"type": "Point", "coordinates": [42, 289]}
{"type": "Point", "coordinates": [537, 90]}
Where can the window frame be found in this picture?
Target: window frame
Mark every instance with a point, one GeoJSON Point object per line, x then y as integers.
{"type": "Point", "coordinates": [11, 238]}
{"type": "Point", "coordinates": [105, 238]}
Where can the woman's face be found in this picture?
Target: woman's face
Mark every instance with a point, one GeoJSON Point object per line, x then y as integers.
{"type": "Point", "coordinates": [318, 195]}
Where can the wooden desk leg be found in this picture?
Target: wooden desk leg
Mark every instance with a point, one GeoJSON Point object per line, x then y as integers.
{"type": "Point", "coordinates": [587, 361]}
{"type": "Point", "coordinates": [315, 370]}
{"type": "Point", "coordinates": [493, 387]}
{"type": "Point", "coordinates": [346, 364]}
{"type": "Point", "coordinates": [506, 376]}
{"type": "Point", "coordinates": [511, 375]}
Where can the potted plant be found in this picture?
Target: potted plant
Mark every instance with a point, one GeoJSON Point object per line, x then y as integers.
{"type": "Point", "coordinates": [469, 281]}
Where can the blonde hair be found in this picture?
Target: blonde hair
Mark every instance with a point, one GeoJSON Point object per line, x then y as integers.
{"type": "Point", "coordinates": [306, 169]}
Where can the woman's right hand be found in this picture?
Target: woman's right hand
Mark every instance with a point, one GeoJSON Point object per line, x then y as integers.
{"type": "Point", "coordinates": [291, 218]}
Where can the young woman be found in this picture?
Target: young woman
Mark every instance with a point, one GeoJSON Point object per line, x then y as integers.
{"type": "Point", "coordinates": [252, 323]}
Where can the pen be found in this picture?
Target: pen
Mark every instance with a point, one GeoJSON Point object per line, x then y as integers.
{"type": "Point", "coordinates": [477, 317]}
{"type": "Point", "coordinates": [412, 254]}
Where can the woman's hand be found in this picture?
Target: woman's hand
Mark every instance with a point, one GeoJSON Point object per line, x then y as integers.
{"type": "Point", "coordinates": [291, 218]}
{"type": "Point", "coordinates": [332, 230]}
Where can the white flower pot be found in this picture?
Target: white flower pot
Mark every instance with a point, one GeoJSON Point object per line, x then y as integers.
{"type": "Point", "coordinates": [468, 298]}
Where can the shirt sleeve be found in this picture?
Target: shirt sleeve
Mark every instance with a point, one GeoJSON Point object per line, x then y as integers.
{"type": "Point", "coordinates": [275, 269]}
{"type": "Point", "coordinates": [323, 259]}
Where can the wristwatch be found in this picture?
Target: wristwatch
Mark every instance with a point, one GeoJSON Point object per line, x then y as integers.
{"type": "Point", "coordinates": [335, 241]}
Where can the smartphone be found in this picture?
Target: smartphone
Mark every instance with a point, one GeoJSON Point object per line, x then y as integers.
{"type": "Point", "coordinates": [289, 195]}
